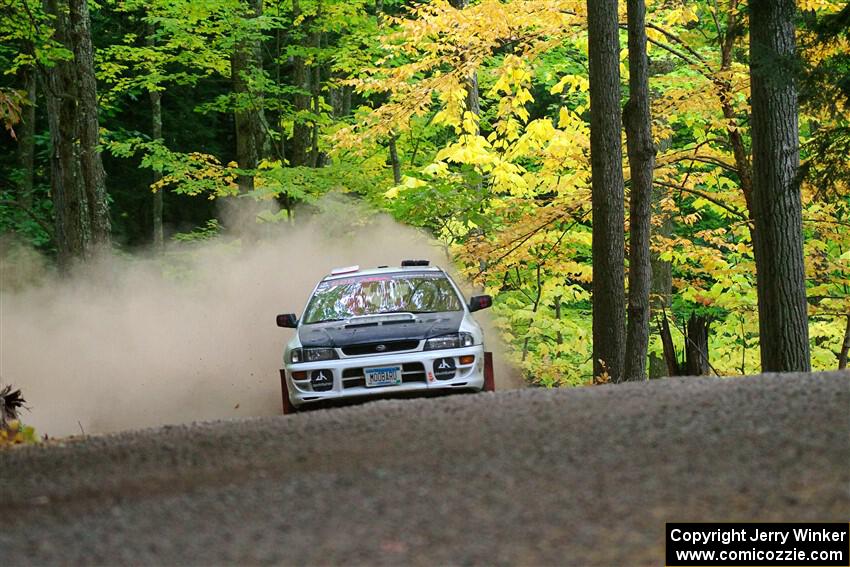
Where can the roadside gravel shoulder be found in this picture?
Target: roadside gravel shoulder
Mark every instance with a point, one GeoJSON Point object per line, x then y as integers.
{"type": "Point", "coordinates": [571, 476]}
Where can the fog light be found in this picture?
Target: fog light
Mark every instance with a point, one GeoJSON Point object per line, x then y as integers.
{"type": "Point", "coordinates": [444, 368]}
{"type": "Point", "coordinates": [321, 380]}
{"type": "Point", "coordinates": [467, 359]}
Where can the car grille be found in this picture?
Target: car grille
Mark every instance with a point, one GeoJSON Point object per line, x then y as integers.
{"type": "Point", "coordinates": [410, 372]}
{"type": "Point", "coordinates": [374, 348]}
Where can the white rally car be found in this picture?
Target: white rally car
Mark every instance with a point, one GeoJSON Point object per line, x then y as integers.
{"type": "Point", "coordinates": [384, 331]}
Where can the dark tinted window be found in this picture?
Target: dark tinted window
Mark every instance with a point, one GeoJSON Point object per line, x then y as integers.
{"type": "Point", "coordinates": [390, 293]}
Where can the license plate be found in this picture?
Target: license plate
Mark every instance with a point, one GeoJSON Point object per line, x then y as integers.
{"type": "Point", "coordinates": [383, 376]}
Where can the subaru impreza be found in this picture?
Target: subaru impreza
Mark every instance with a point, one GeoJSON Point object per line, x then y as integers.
{"type": "Point", "coordinates": [384, 331]}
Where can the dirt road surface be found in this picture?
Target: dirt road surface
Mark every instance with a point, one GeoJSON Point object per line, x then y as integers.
{"type": "Point", "coordinates": [534, 477]}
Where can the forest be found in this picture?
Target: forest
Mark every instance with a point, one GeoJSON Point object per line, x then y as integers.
{"type": "Point", "coordinates": [647, 188]}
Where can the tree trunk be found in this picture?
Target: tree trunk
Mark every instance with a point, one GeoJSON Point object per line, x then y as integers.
{"type": "Point", "coordinates": [696, 346]}
{"type": "Point", "coordinates": [335, 100]}
{"type": "Point", "coordinates": [72, 231]}
{"type": "Point", "coordinates": [695, 356]}
{"type": "Point", "coordinates": [607, 188]}
{"type": "Point", "coordinates": [91, 166]}
{"type": "Point", "coordinates": [736, 139]}
{"type": "Point", "coordinates": [780, 271]}
{"type": "Point", "coordinates": [347, 91]}
{"type": "Point", "coordinates": [670, 357]}
{"type": "Point", "coordinates": [315, 87]}
{"type": "Point", "coordinates": [26, 140]}
{"type": "Point", "coordinates": [845, 347]}
{"type": "Point", "coordinates": [71, 226]}
{"type": "Point", "coordinates": [743, 165]}
{"type": "Point", "coordinates": [77, 178]}
{"type": "Point", "coordinates": [392, 146]}
{"type": "Point", "coordinates": [248, 115]}
{"type": "Point", "coordinates": [641, 151]}
{"type": "Point", "coordinates": [534, 309]}
{"type": "Point", "coordinates": [662, 279]}
{"type": "Point", "coordinates": [280, 148]}
{"type": "Point", "coordinates": [156, 134]}
{"type": "Point", "coordinates": [473, 103]}
{"type": "Point", "coordinates": [301, 129]}
{"type": "Point", "coordinates": [394, 159]}
{"type": "Point", "coordinates": [559, 336]}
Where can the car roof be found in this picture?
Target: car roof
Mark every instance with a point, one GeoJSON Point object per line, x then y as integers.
{"type": "Point", "coordinates": [385, 270]}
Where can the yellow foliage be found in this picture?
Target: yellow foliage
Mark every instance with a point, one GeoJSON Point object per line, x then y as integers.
{"type": "Point", "coordinates": [535, 170]}
{"type": "Point", "coordinates": [16, 433]}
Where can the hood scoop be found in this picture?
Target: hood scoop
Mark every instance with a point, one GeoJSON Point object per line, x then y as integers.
{"type": "Point", "coordinates": [378, 323]}
{"type": "Point", "coordinates": [380, 320]}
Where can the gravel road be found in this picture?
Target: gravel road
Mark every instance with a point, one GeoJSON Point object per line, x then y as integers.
{"type": "Point", "coordinates": [533, 477]}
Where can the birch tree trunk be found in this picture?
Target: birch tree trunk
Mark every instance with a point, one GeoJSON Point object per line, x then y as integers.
{"type": "Point", "coordinates": [607, 190]}
{"type": "Point", "coordinates": [780, 271]}
{"type": "Point", "coordinates": [641, 151]}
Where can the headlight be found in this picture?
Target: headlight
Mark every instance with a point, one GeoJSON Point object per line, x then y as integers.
{"type": "Point", "coordinates": [311, 355]}
{"type": "Point", "coordinates": [450, 341]}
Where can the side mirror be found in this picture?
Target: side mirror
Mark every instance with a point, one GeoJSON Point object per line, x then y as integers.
{"type": "Point", "coordinates": [290, 321]}
{"type": "Point", "coordinates": [478, 302]}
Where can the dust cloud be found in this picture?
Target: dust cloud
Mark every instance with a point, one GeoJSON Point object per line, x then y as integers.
{"type": "Point", "coordinates": [143, 340]}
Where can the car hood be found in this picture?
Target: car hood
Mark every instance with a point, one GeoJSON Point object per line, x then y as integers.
{"type": "Point", "coordinates": [379, 329]}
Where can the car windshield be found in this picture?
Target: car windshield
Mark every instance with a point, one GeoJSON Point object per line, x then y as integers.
{"type": "Point", "coordinates": [385, 293]}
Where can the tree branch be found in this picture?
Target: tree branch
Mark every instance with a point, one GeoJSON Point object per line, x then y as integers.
{"type": "Point", "coordinates": [705, 196]}
{"type": "Point", "coordinates": [44, 226]}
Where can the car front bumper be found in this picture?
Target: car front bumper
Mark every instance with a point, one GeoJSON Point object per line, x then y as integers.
{"type": "Point", "coordinates": [418, 375]}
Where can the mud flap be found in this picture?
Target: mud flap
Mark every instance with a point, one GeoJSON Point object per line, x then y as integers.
{"type": "Point", "coordinates": [489, 379]}
{"type": "Point", "coordinates": [288, 408]}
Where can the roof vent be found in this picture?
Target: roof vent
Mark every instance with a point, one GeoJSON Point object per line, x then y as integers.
{"type": "Point", "coordinates": [346, 270]}
{"type": "Point", "coordinates": [406, 263]}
